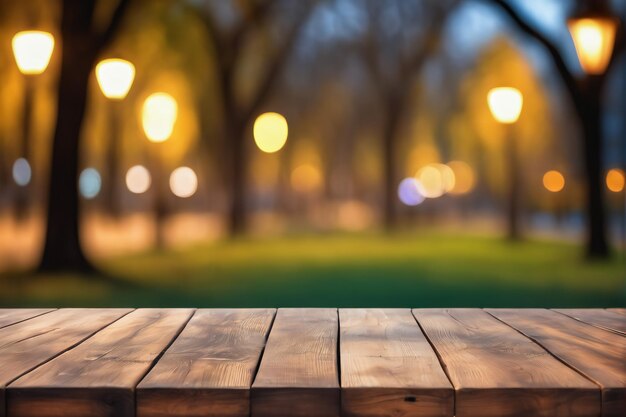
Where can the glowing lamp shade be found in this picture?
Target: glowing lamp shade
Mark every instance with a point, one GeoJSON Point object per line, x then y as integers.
{"type": "Point", "coordinates": [505, 104]}
{"type": "Point", "coordinates": [594, 38]}
{"type": "Point", "coordinates": [409, 192]}
{"type": "Point", "coordinates": [554, 181]}
{"type": "Point", "coordinates": [183, 182]}
{"type": "Point", "coordinates": [138, 179]}
{"type": "Point", "coordinates": [158, 116]}
{"type": "Point", "coordinates": [270, 132]}
{"type": "Point", "coordinates": [32, 50]}
{"type": "Point", "coordinates": [115, 77]}
{"type": "Point", "coordinates": [615, 180]}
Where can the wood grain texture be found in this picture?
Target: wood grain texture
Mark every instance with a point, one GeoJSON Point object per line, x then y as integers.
{"type": "Point", "coordinates": [498, 372]}
{"type": "Point", "coordinates": [621, 311]}
{"type": "Point", "coordinates": [604, 319]}
{"type": "Point", "coordinates": [9, 316]}
{"type": "Point", "coordinates": [388, 368]}
{"type": "Point", "coordinates": [26, 345]}
{"type": "Point", "coordinates": [298, 374]}
{"type": "Point", "coordinates": [210, 367]}
{"type": "Point", "coordinates": [97, 378]}
{"type": "Point", "coordinates": [596, 353]}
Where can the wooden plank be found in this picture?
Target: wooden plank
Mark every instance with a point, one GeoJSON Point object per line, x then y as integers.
{"type": "Point", "coordinates": [26, 345]}
{"type": "Point", "coordinates": [621, 311]}
{"type": "Point", "coordinates": [9, 316]}
{"type": "Point", "coordinates": [210, 367]}
{"type": "Point", "coordinates": [98, 377]}
{"type": "Point", "coordinates": [498, 372]}
{"type": "Point", "coordinates": [389, 368]}
{"type": "Point", "coordinates": [298, 373]}
{"type": "Point", "coordinates": [596, 353]}
{"type": "Point", "coordinates": [604, 319]}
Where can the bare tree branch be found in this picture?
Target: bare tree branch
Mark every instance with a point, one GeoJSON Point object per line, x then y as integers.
{"type": "Point", "coordinates": [114, 24]}
{"type": "Point", "coordinates": [567, 77]}
{"type": "Point", "coordinates": [274, 69]}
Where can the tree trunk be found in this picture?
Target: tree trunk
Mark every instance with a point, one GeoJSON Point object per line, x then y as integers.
{"type": "Point", "coordinates": [390, 129]}
{"type": "Point", "coordinates": [514, 200]}
{"type": "Point", "coordinates": [62, 250]}
{"type": "Point", "coordinates": [111, 182]}
{"type": "Point", "coordinates": [23, 196]}
{"type": "Point", "coordinates": [597, 246]}
{"type": "Point", "coordinates": [238, 164]}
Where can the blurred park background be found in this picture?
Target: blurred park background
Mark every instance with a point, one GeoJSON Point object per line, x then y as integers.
{"type": "Point", "coordinates": [235, 153]}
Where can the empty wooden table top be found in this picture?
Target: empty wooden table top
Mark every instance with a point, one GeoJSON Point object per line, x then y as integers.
{"type": "Point", "coordinates": [312, 362]}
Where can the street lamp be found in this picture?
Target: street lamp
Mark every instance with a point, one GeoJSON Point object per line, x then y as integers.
{"type": "Point", "coordinates": [32, 50]}
{"type": "Point", "coordinates": [158, 117]}
{"type": "Point", "coordinates": [505, 104]}
{"type": "Point", "coordinates": [593, 31]}
{"type": "Point", "coordinates": [115, 78]}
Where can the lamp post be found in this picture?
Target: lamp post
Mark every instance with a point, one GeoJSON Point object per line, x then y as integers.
{"type": "Point", "coordinates": [158, 117]}
{"type": "Point", "coordinates": [505, 104]}
{"type": "Point", "coordinates": [32, 50]}
{"type": "Point", "coordinates": [115, 78]}
{"type": "Point", "coordinates": [593, 30]}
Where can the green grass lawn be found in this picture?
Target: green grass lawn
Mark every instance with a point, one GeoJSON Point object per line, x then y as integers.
{"type": "Point", "coordinates": [423, 270]}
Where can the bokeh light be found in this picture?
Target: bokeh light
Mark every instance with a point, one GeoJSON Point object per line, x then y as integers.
{"type": "Point", "coordinates": [505, 104]}
{"type": "Point", "coordinates": [594, 39]}
{"type": "Point", "coordinates": [554, 181]}
{"type": "Point", "coordinates": [89, 183]}
{"type": "Point", "coordinates": [32, 50]}
{"type": "Point", "coordinates": [270, 132]}
{"type": "Point", "coordinates": [183, 182]}
{"type": "Point", "coordinates": [306, 178]}
{"type": "Point", "coordinates": [464, 177]}
{"type": "Point", "coordinates": [115, 77]}
{"type": "Point", "coordinates": [22, 172]}
{"type": "Point", "coordinates": [158, 116]}
{"type": "Point", "coordinates": [447, 176]}
{"type": "Point", "coordinates": [430, 181]}
{"type": "Point", "coordinates": [615, 180]}
{"type": "Point", "coordinates": [409, 192]}
{"type": "Point", "coordinates": [138, 179]}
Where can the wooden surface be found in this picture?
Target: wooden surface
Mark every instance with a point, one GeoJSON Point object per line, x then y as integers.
{"type": "Point", "coordinates": [208, 371]}
{"type": "Point", "coordinates": [98, 377]}
{"type": "Point", "coordinates": [312, 362]}
{"type": "Point", "coordinates": [598, 354]}
{"type": "Point", "coordinates": [604, 319]}
{"type": "Point", "coordinates": [9, 316]}
{"type": "Point", "coordinates": [387, 364]}
{"type": "Point", "coordinates": [498, 372]}
{"type": "Point", "coordinates": [298, 374]}
{"type": "Point", "coordinates": [25, 345]}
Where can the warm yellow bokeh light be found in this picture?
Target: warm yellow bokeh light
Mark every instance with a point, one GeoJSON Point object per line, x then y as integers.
{"type": "Point", "coordinates": [183, 182]}
{"type": "Point", "coordinates": [32, 50]}
{"type": "Point", "coordinates": [464, 177]}
{"type": "Point", "coordinates": [554, 181]}
{"type": "Point", "coordinates": [447, 176]}
{"type": "Point", "coordinates": [138, 179]}
{"type": "Point", "coordinates": [158, 116]}
{"type": "Point", "coordinates": [430, 181]}
{"type": "Point", "coordinates": [505, 104]}
{"type": "Point", "coordinates": [615, 180]}
{"type": "Point", "coordinates": [594, 39]}
{"type": "Point", "coordinates": [115, 77]}
{"type": "Point", "coordinates": [270, 132]}
{"type": "Point", "coordinates": [306, 178]}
